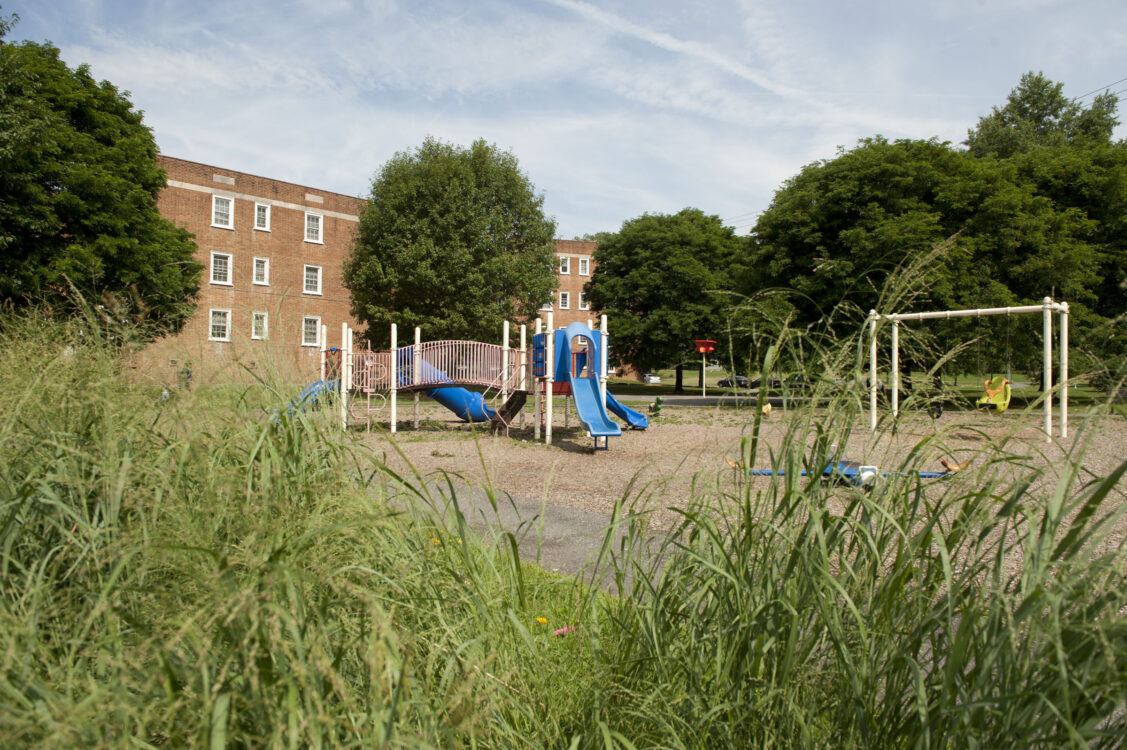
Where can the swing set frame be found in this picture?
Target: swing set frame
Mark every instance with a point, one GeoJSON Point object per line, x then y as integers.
{"type": "Point", "coordinates": [1046, 308]}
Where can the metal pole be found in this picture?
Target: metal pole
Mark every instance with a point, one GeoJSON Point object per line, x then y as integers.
{"type": "Point", "coordinates": [344, 376]}
{"type": "Point", "coordinates": [324, 345]}
{"type": "Point", "coordinates": [603, 357]}
{"type": "Point", "coordinates": [536, 394]}
{"type": "Point", "coordinates": [1063, 307]}
{"type": "Point", "coordinates": [551, 372]}
{"type": "Point", "coordinates": [703, 385]}
{"type": "Point", "coordinates": [523, 366]}
{"type": "Point", "coordinates": [894, 376]}
{"type": "Point", "coordinates": [873, 370]}
{"type": "Point", "coordinates": [417, 370]}
{"type": "Point", "coordinates": [1047, 366]}
{"type": "Point", "coordinates": [505, 362]}
{"type": "Point", "coordinates": [394, 374]}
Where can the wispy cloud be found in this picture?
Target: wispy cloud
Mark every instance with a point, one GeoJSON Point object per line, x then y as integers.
{"type": "Point", "coordinates": [614, 107]}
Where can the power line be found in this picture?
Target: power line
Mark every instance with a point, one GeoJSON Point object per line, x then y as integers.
{"type": "Point", "coordinates": [1099, 89]}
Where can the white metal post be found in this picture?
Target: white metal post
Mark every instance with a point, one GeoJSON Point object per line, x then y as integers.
{"type": "Point", "coordinates": [394, 374]}
{"type": "Point", "coordinates": [551, 372]}
{"type": "Point", "coordinates": [1047, 366]}
{"type": "Point", "coordinates": [324, 347]}
{"type": "Point", "coordinates": [894, 375]}
{"type": "Point", "coordinates": [1063, 307]}
{"type": "Point", "coordinates": [417, 370]}
{"type": "Point", "coordinates": [523, 366]}
{"type": "Point", "coordinates": [603, 354]}
{"type": "Point", "coordinates": [505, 362]}
{"type": "Point", "coordinates": [872, 370]}
{"type": "Point", "coordinates": [537, 396]}
{"type": "Point", "coordinates": [344, 376]}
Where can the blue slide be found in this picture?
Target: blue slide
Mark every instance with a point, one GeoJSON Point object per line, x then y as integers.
{"type": "Point", "coordinates": [585, 390]}
{"type": "Point", "coordinates": [635, 419]}
{"type": "Point", "coordinates": [467, 405]}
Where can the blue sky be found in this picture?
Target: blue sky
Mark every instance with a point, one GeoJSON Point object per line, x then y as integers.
{"type": "Point", "coordinates": [613, 108]}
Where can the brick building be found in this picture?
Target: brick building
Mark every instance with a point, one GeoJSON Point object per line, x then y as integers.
{"type": "Point", "coordinates": [273, 255]}
{"type": "Point", "coordinates": [575, 265]}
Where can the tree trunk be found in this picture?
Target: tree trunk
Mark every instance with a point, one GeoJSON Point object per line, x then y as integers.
{"type": "Point", "coordinates": [680, 381]}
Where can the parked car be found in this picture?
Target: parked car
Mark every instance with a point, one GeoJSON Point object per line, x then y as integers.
{"type": "Point", "coordinates": [771, 383]}
{"type": "Point", "coordinates": [650, 379]}
{"type": "Point", "coordinates": [736, 381]}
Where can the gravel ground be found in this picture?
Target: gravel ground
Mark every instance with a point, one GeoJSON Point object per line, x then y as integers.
{"type": "Point", "coordinates": [687, 446]}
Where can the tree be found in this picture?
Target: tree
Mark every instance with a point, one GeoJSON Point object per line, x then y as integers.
{"type": "Point", "coordinates": [663, 280]}
{"type": "Point", "coordinates": [1067, 154]}
{"type": "Point", "coordinates": [835, 232]}
{"type": "Point", "coordinates": [1037, 114]}
{"type": "Point", "coordinates": [452, 240]}
{"type": "Point", "coordinates": [78, 188]}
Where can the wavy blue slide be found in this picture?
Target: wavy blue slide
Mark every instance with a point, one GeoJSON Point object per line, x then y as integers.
{"type": "Point", "coordinates": [467, 405]}
{"type": "Point", "coordinates": [635, 419]}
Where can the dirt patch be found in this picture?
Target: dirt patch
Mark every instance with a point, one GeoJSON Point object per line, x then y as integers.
{"type": "Point", "coordinates": [684, 452]}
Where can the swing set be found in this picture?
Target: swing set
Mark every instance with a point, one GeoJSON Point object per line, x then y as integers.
{"type": "Point", "coordinates": [997, 389]}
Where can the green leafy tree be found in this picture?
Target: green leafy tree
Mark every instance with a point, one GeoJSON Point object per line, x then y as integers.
{"type": "Point", "coordinates": [1066, 153]}
{"type": "Point", "coordinates": [453, 240]}
{"type": "Point", "coordinates": [1037, 114]}
{"type": "Point", "coordinates": [663, 279]}
{"type": "Point", "coordinates": [835, 233]}
{"type": "Point", "coordinates": [78, 188]}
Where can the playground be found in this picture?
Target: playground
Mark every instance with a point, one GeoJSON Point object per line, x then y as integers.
{"type": "Point", "coordinates": [521, 419]}
{"type": "Point", "coordinates": [683, 453]}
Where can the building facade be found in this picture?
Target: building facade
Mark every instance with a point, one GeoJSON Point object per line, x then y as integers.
{"type": "Point", "coordinates": [273, 255]}
{"type": "Point", "coordinates": [574, 267]}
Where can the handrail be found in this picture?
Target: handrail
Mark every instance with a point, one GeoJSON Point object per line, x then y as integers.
{"type": "Point", "coordinates": [442, 363]}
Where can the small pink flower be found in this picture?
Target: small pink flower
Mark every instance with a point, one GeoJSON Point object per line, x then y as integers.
{"type": "Point", "coordinates": [565, 631]}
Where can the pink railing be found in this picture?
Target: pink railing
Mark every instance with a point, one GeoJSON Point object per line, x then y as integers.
{"type": "Point", "coordinates": [440, 363]}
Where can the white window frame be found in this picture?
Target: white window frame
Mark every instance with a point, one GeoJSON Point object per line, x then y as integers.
{"type": "Point", "coordinates": [546, 307]}
{"type": "Point", "coordinates": [211, 324]}
{"type": "Point", "coordinates": [320, 239]}
{"type": "Point", "coordinates": [305, 279]}
{"type": "Point", "coordinates": [230, 211]}
{"type": "Point", "coordinates": [583, 303]}
{"type": "Point", "coordinates": [230, 268]}
{"type": "Point", "coordinates": [266, 227]}
{"type": "Point", "coordinates": [317, 337]}
{"type": "Point", "coordinates": [565, 266]}
{"type": "Point", "coordinates": [565, 300]}
{"type": "Point", "coordinates": [266, 272]}
{"type": "Point", "coordinates": [254, 316]}
{"type": "Point", "coordinates": [584, 266]}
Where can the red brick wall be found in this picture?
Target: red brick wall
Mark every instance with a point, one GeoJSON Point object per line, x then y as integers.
{"type": "Point", "coordinates": [187, 202]}
{"type": "Point", "coordinates": [572, 282]}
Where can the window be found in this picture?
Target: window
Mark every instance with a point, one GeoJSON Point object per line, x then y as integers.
{"type": "Point", "coordinates": [313, 228]}
{"type": "Point", "coordinates": [221, 215]}
{"type": "Point", "coordinates": [262, 271]}
{"type": "Point", "coordinates": [583, 302]}
{"type": "Point", "coordinates": [565, 265]}
{"type": "Point", "coordinates": [547, 306]}
{"type": "Point", "coordinates": [219, 328]}
{"type": "Point", "coordinates": [584, 266]}
{"type": "Point", "coordinates": [312, 280]}
{"type": "Point", "coordinates": [258, 326]}
{"type": "Point", "coordinates": [565, 300]}
{"type": "Point", "coordinates": [262, 216]}
{"type": "Point", "coordinates": [221, 268]}
{"type": "Point", "coordinates": [310, 331]}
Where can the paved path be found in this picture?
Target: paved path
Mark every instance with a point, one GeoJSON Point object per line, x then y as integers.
{"type": "Point", "coordinates": [560, 540]}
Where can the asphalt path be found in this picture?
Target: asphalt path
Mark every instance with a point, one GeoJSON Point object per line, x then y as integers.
{"type": "Point", "coordinates": [560, 540]}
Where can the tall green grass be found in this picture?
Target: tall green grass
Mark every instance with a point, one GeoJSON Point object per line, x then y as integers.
{"type": "Point", "coordinates": [196, 573]}
{"type": "Point", "coordinates": [193, 572]}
